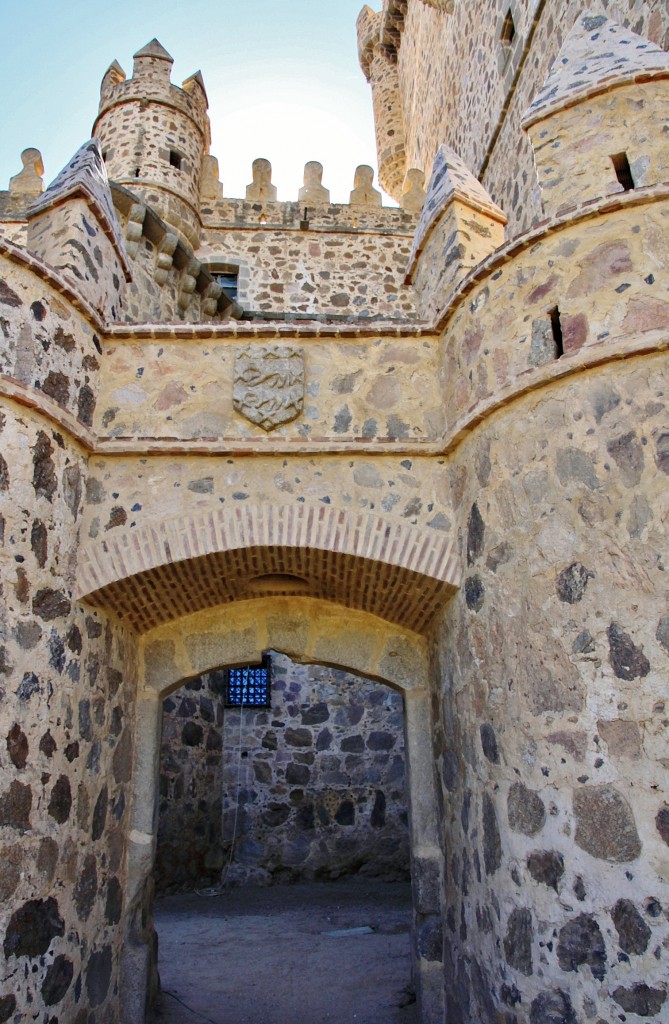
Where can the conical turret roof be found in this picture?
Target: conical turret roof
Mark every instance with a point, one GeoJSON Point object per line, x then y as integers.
{"type": "Point", "coordinates": [155, 49]}
{"type": "Point", "coordinates": [451, 179]}
{"type": "Point", "coordinates": [597, 55]}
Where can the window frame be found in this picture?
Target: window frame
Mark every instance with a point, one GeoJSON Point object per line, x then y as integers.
{"type": "Point", "coordinates": [231, 703]}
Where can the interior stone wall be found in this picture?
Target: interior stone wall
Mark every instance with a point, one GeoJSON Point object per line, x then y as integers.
{"type": "Point", "coordinates": [189, 853]}
{"type": "Point", "coordinates": [313, 787]}
{"type": "Point", "coordinates": [550, 716]}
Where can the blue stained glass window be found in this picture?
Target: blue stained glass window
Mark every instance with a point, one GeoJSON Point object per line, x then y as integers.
{"type": "Point", "coordinates": [249, 686]}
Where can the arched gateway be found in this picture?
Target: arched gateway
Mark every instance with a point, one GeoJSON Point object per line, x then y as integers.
{"type": "Point", "coordinates": [218, 590]}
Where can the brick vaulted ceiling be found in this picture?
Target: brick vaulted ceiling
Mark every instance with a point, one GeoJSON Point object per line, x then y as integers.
{"type": "Point", "coordinates": [156, 573]}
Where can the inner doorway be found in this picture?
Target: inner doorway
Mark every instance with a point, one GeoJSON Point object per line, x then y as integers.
{"type": "Point", "coordinates": [306, 786]}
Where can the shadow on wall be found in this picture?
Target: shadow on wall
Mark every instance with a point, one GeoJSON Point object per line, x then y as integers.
{"type": "Point", "coordinates": [312, 787]}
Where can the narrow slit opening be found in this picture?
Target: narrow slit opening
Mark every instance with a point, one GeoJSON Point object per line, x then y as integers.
{"type": "Point", "coordinates": [556, 328]}
{"type": "Point", "coordinates": [621, 166]}
{"type": "Point", "coordinates": [175, 159]}
{"type": "Point", "coordinates": [508, 29]}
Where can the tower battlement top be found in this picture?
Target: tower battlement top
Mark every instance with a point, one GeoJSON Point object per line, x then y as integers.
{"type": "Point", "coordinates": [151, 79]}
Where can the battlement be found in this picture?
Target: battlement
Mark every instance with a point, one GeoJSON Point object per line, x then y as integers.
{"type": "Point", "coordinates": [294, 216]}
{"type": "Point", "coordinates": [151, 78]}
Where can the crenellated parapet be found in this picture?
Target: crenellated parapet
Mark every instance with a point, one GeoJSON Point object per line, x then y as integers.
{"type": "Point", "coordinates": [155, 136]}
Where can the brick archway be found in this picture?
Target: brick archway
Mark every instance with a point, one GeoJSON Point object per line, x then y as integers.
{"type": "Point", "coordinates": [153, 574]}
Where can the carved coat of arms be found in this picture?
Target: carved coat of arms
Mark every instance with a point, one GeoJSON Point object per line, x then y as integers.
{"type": "Point", "coordinates": [269, 384]}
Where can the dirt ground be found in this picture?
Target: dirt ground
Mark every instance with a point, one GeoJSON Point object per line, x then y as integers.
{"type": "Point", "coordinates": [263, 956]}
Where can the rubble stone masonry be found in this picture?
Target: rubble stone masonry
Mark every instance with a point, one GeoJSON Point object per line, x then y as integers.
{"type": "Point", "coordinates": [426, 452]}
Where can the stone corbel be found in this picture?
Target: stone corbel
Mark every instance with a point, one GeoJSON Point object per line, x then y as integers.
{"type": "Point", "coordinates": [134, 228]}
{"type": "Point", "coordinates": [164, 257]}
{"type": "Point", "coordinates": [188, 282]}
{"type": "Point", "coordinates": [210, 299]}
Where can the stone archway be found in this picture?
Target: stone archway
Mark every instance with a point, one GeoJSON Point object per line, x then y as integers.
{"type": "Point", "coordinates": [309, 631]}
{"type": "Point", "coordinates": [323, 585]}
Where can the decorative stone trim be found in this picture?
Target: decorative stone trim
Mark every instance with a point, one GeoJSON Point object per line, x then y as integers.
{"type": "Point", "coordinates": [165, 257]}
{"type": "Point", "coordinates": [188, 282]}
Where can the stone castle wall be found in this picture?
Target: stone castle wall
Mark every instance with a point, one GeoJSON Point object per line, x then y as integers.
{"type": "Point", "coordinates": [550, 728]}
{"type": "Point", "coordinates": [316, 783]}
{"type": "Point", "coordinates": [66, 717]}
{"type": "Point", "coordinates": [527, 424]}
{"type": "Point", "coordinates": [371, 387]}
{"type": "Point", "coordinates": [49, 346]}
{"type": "Point", "coordinates": [326, 260]}
{"type": "Point", "coordinates": [189, 852]}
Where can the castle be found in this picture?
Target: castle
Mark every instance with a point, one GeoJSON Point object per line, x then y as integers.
{"type": "Point", "coordinates": [426, 444]}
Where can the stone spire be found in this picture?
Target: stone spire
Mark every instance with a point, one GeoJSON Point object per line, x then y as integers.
{"type": "Point", "coordinates": [153, 62]}
{"type": "Point", "coordinates": [459, 226]}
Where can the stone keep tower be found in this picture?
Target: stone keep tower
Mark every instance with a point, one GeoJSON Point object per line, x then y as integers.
{"type": "Point", "coordinates": [155, 136]}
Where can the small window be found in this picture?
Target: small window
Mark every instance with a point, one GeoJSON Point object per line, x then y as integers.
{"type": "Point", "coordinates": [229, 282]}
{"type": "Point", "coordinates": [556, 329]}
{"type": "Point", "coordinates": [250, 686]}
{"type": "Point", "coordinates": [621, 166]}
{"type": "Point", "coordinates": [508, 33]}
{"type": "Point", "coordinates": [175, 159]}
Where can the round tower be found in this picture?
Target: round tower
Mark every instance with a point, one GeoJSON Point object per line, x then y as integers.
{"type": "Point", "coordinates": [154, 136]}
{"type": "Point", "coordinates": [378, 60]}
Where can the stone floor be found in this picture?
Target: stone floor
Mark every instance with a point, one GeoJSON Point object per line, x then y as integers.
{"type": "Point", "coordinates": [263, 956]}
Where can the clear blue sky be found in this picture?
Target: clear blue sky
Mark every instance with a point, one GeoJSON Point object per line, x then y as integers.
{"type": "Point", "coordinates": [282, 78]}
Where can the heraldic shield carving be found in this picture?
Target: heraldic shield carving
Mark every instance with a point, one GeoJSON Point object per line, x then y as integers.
{"type": "Point", "coordinates": [269, 384]}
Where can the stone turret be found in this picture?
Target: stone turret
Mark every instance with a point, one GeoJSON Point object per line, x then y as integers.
{"type": "Point", "coordinates": [595, 124]}
{"type": "Point", "coordinates": [155, 136]}
{"type": "Point", "coordinates": [459, 227]}
{"type": "Point", "coordinates": [378, 61]}
{"type": "Point", "coordinates": [73, 227]}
